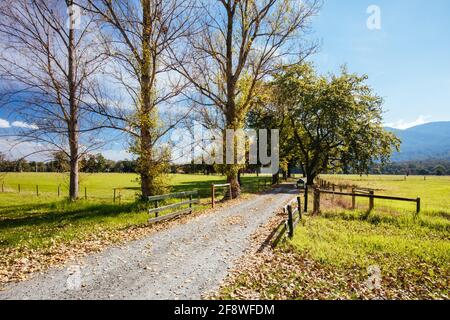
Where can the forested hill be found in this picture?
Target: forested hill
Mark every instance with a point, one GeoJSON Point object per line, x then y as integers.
{"type": "Point", "coordinates": [428, 141]}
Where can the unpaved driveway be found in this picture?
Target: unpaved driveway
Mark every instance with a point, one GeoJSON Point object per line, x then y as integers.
{"type": "Point", "coordinates": [184, 261]}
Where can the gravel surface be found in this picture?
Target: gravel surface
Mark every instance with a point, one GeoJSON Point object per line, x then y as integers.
{"type": "Point", "coordinates": [185, 261]}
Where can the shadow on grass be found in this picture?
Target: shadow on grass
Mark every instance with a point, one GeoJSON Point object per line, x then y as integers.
{"type": "Point", "coordinates": [62, 212]}
{"type": "Point", "coordinates": [249, 185]}
{"type": "Point", "coordinates": [203, 187]}
{"type": "Point", "coordinates": [48, 219]}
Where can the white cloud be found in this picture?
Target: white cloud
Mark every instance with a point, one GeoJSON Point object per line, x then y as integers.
{"type": "Point", "coordinates": [117, 155]}
{"type": "Point", "coordinates": [24, 125]}
{"type": "Point", "coordinates": [4, 123]}
{"type": "Point", "coordinates": [14, 149]}
{"type": "Point", "coordinates": [402, 124]}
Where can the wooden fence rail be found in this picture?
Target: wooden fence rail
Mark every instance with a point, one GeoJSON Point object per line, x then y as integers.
{"type": "Point", "coordinates": [213, 192]}
{"type": "Point", "coordinates": [156, 201]}
{"type": "Point", "coordinates": [371, 196]}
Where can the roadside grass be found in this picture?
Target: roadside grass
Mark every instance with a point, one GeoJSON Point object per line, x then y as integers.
{"type": "Point", "coordinates": [434, 191]}
{"type": "Point", "coordinates": [344, 243]}
{"type": "Point", "coordinates": [333, 255]}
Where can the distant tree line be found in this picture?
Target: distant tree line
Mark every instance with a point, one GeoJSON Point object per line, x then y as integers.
{"type": "Point", "coordinates": [422, 168]}
{"type": "Point", "coordinates": [97, 163]}
{"type": "Point", "coordinates": [92, 163]}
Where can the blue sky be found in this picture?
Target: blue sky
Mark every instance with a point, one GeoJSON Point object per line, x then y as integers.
{"type": "Point", "coordinates": [407, 61]}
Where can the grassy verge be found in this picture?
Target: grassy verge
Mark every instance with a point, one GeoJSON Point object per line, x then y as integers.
{"type": "Point", "coordinates": [31, 221]}
{"type": "Point", "coordinates": [344, 254]}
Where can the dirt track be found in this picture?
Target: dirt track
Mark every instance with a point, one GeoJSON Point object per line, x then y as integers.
{"type": "Point", "coordinates": [184, 261]}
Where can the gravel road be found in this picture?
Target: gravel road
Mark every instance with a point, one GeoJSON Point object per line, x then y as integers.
{"type": "Point", "coordinates": [184, 261]}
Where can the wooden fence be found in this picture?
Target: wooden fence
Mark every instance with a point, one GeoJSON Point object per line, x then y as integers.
{"type": "Point", "coordinates": [294, 216]}
{"type": "Point", "coordinates": [157, 208]}
{"type": "Point", "coordinates": [213, 192]}
{"type": "Point", "coordinates": [370, 194]}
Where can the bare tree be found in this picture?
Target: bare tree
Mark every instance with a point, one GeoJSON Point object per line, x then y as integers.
{"type": "Point", "coordinates": [241, 43]}
{"type": "Point", "coordinates": [48, 58]}
{"type": "Point", "coordinates": [143, 91]}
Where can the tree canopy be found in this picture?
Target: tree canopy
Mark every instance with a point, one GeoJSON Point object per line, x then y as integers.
{"type": "Point", "coordinates": [328, 121]}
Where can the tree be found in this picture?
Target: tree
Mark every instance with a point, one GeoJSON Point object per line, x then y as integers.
{"type": "Point", "coordinates": [61, 162]}
{"type": "Point", "coordinates": [239, 43]}
{"type": "Point", "coordinates": [335, 121]}
{"type": "Point", "coordinates": [138, 36]}
{"type": "Point", "coordinates": [94, 163]}
{"type": "Point", "coordinates": [439, 170]}
{"type": "Point", "coordinates": [48, 58]}
{"type": "Point", "coordinates": [267, 114]}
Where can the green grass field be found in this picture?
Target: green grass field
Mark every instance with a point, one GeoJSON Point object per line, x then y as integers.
{"type": "Point", "coordinates": [29, 221]}
{"type": "Point", "coordinates": [434, 191]}
{"type": "Point", "coordinates": [332, 252]}
{"type": "Point", "coordinates": [329, 255]}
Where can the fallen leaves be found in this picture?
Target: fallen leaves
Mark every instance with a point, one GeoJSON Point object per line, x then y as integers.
{"type": "Point", "coordinates": [287, 274]}
{"type": "Point", "coordinates": [19, 263]}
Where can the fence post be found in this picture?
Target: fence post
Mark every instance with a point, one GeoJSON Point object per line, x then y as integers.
{"type": "Point", "coordinates": [59, 190]}
{"type": "Point", "coordinates": [114, 197]}
{"type": "Point", "coordinates": [371, 201]}
{"type": "Point", "coordinates": [85, 193]}
{"type": "Point", "coordinates": [316, 201]}
{"type": "Point", "coordinates": [37, 190]}
{"type": "Point", "coordinates": [212, 196]}
{"type": "Point", "coordinates": [418, 206]}
{"type": "Point", "coordinates": [306, 199]}
{"type": "Point", "coordinates": [3, 189]}
{"type": "Point", "coordinates": [353, 199]}
{"type": "Point", "coordinates": [19, 187]}
{"type": "Point", "coordinates": [190, 203]}
{"type": "Point", "coordinates": [156, 206]}
{"type": "Point", "coordinates": [299, 202]}
{"type": "Point", "coordinates": [290, 222]}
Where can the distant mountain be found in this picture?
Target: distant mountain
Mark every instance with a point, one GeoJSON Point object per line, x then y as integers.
{"type": "Point", "coordinates": [431, 140]}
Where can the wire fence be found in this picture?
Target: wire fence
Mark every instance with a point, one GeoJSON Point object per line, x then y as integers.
{"type": "Point", "coordinates": [115, 195]}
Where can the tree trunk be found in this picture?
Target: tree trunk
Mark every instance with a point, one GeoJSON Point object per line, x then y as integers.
{"type": "Point", "coordinates": [145, 112]}
{"type": "Point", "coordinates": [310, 176]}
{"type": "Point", "coordinates": [73, 109]}
{"type": "Point", "coordinates": [276, 178]}
{"type": "Point", "coordinates": [235, 186]}
{"type": "Point", "coordinates": [73, 184]}
{"type": "Point", "coordinates": [145, 167]}
{"type": "Point", "coordinates": [239, 177]}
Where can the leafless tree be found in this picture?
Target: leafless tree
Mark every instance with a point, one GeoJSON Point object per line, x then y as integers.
{"type": "Point", "coordinates": [143, 97]}
{"type": "Point", "coordinates": [241, 43]}
{"type": "Point", "coordinates": [48, 58]}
